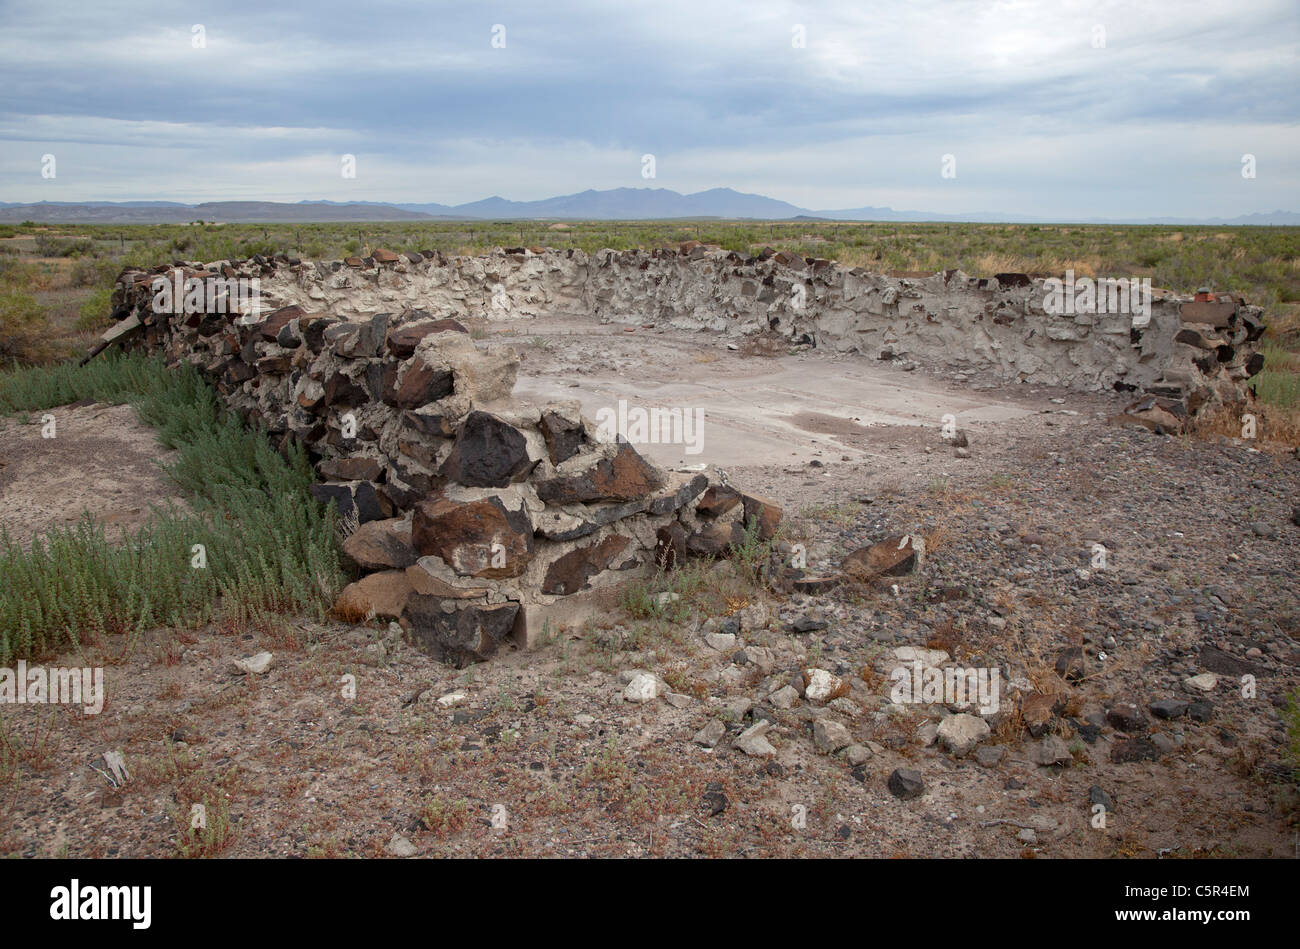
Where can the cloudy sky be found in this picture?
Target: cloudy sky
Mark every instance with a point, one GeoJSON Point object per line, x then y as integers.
{"type": "Point", "coordinates": [1073, 109]}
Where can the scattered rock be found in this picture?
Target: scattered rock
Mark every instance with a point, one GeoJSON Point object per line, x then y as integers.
{"type": "Point", "coordinates": [906, 784]}
{"type": "Point", "coordinates": [959, 734]}
{"type": "Point", "coordinates": [830, 736]}
{"type": "Point", "coordinates": [710, 734]}
{"type": "Point", "coordinates": [253, 665]}
{"type": "Point", "coordinates": [822, 686]}
{"type": "Point", "coordinates": [399, 846]}
{"type": "Point", "coordinates": [1051, 750]}
{"type": "Point", "coordinates": [752, 741]}
{"type": "Point", "coordinates": [643, 687]}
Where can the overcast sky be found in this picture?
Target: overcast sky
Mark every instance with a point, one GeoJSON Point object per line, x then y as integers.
{"type": "Point", "coordinates": [1068, 109]}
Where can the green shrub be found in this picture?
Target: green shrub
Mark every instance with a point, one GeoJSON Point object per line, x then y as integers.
{"type": "Point", "coordinates": [268, 544]}
{"type": "Point", "coordinates": [96, 312]}
{"type": "Point", "coordinates": [23, 327]}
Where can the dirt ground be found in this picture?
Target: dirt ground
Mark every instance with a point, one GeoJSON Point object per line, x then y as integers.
{"type": "Point", "coordinates": [96, 459]}
{"type": "Point", "coordinates": [541, 755]}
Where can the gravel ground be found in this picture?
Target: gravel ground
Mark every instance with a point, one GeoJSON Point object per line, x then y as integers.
{"type": "Point", "coordinates": [542, 754]}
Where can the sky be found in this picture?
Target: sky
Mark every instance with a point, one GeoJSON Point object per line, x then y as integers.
{"type": "Point", "coordinates": [1063, 109]}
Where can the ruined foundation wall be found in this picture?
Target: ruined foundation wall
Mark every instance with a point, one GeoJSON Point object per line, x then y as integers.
{"type": "Point", "coordinates": [947, 321]}
{"type": "Point", "coordinates": [475, 518]}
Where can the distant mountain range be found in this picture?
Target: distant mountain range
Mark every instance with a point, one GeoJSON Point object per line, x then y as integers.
{"type": "Point", "coordinates": [618, 204]}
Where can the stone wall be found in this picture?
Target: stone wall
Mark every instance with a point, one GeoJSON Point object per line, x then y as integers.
{"type": "Point", "coordinates": [473, 518]}
{"type": "Point", "coordinates": [946, 321]}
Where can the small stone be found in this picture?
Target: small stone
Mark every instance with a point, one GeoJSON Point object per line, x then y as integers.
{"type": "Point", "coordinates": [643, 687]}
{"type": "Point", "coordinates": [906, 784]}
{"type": "Point", "coordinates": [452, 699]}
{"type": "Point", "coordinates": [678, 699]}
{"type": "Point", "coordinates": [1200, 711]}
{"type": "Point", "coordinates": [722, 642]}
{"type": "Point", "coordinates": [1169, 708]}
{"type": "Point", "coordinates": [253, 665]}
{"type": "Point", "coordinates": [1051, 750]}
{"type": "Point", "coordinates": [753, 743]}
{"type": "Point", "coordinates": [1134, 749]}
{"type": "Point", "coordinates": [959, 734]}
{"type": "Point", "coordinates": [784, 698]}
{"type": "Point", "coordinates": [710, 734]}
{"type": "Point", "coordinates": [830, 736]}
{"type": "Point", "coordinates": [1125, 717]}
{"type": "Point", "coordinates": [1205, 682]}
{"type": "Point", "coordinates": [1097, 795]}
{"type": "Point", "coordinates": [857, 755]}
{"type": "Point", "coordinates": [399, 846]}
{"type": "Point", "coordinates": [1027, 836]}
{"type": "Point", "coordinates": [989, 756]}
{"type": "Point", "coordinates": [822, 686]}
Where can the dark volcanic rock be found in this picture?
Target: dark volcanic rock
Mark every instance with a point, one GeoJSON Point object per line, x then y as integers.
{"type": "Point", "coordinates": [465, 635]}
{"type": "Point", "coordinates": [626, 477]}
{"type": "Point", "coordinates": [488, 453]}
{"type": "Point", "coordinates": [891, 557]}
{"type": "Point", "coordinates": [906, 784]}
{"type": "Point", "coordinates": [402, 340]}
{"type": "Point", "coordinates": [718, 500]}
{"type": "Point", "coordinates": [564, 436]}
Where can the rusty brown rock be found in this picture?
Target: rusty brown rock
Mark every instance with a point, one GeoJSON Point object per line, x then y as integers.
{"type": "Point", "coordinates": [573, 571]}
{"type": "Point", "coordinates": [351, 468]}
{"type": "Point", "coordinates": [891, 557]}
{"type": "Point", "coordinates": [626, 477]}
{"type": "Point", "coordinates": [420, 385]}
{"type": "Point", "coordinates": [1037, 710]}
{"type": "Point", "coordinates": [378, 595]}
{"type": "Point", "coordinates": [381, 545]}
{"type": "Point", "coordinates": [766, 513]}
{"type": "Point", "coordinates": [1216, 314]}
{"type": "Point", "coordinates": [277, 320]}
{"type": "Point", "coordinates": [402, 340]}
{"type": "Point", "coordinates": [475, 538]}
{"type": "Point", "coordinates": [718, 500]}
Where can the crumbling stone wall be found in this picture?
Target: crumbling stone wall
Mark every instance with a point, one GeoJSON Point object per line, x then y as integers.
{"type": "Point", "coordinates": [475, 518]}
{"type": "Point", "coordinates": [1201, 348]}
{"type": "Point", "coordinates": [472, 518]}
